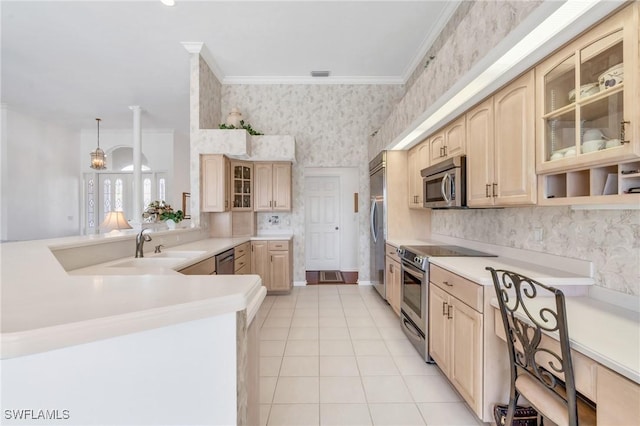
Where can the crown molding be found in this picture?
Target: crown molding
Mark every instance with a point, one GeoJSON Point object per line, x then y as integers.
{"type": "Point", "coordinates": [441, 22]}
{"type": "Point", "coordinates": [313, 80]}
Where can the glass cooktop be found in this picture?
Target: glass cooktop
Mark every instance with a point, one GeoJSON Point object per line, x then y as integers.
{"type": "Point", "coordinates": [446, 251]}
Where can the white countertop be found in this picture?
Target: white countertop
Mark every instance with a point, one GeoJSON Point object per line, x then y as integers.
{"type": "Point", "coordinates": [473, 268]}
{"type": "Point", "coordinates": [45, 308]}
{"type": "Point", "coordinates": [603, 332]}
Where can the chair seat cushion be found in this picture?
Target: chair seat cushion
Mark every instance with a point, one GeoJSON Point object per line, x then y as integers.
{"type": "Point", "coordinates": [550, 404]}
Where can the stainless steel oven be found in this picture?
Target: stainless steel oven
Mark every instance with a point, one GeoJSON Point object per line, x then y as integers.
{"type": "Point", "coordinates": [414, 306]}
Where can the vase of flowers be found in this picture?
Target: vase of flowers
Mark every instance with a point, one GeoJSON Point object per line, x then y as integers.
{"type": "Point", "coordinates": [160, 211]}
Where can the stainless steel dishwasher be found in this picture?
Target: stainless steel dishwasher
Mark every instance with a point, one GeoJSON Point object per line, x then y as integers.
{"type": "Point", "coordinates": [225, 262]}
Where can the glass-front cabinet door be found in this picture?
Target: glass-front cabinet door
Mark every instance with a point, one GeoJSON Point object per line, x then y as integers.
{"type": "Point", "coordinates": [588, 100]}
{"type": "Point", "coordinates": [241, 186]}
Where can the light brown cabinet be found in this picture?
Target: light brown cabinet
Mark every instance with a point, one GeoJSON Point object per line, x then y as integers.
{"type": "Point", "coordinates": [205, 267]}
{"type": "Point", "coordinates": [214, 175]}
{"type": "Point", "coordinates": [241, 186]}
{"type": "Point", "coordinates": [501, 150]}
{"type": "Point", "coordinates": [242, 259]}
{"type": "Point", "coordinates": [393, 278]}
{"type": "Point", "coordinates": [617, 399]}
{"type": "Point", "coordinates": [272, 261]}
{"type": "Point", "coordinates": [272, 186]}
{"type": "Point", "coordinates": [587, 89]}
{"type": "Point", "coordinates": [449, 142]}
{"type": "Point", "coordinates": [588, 142]}
{"type": "Point", "coordinates": [417, 159]}
{"type": "Point", "coordinates": [455, 339]}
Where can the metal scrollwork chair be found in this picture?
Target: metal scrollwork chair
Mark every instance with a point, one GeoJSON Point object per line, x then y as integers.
{"type": "Point", "coordinates": [542, 376]}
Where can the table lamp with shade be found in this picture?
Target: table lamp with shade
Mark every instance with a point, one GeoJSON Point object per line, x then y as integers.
{"type": "Point", "coordinates": [114, 222]}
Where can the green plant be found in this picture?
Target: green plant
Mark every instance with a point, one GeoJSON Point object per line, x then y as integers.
{"type": "Point", "coordinates": [162, 211]}
{"type": "Point", "coordinates": [246, 126]}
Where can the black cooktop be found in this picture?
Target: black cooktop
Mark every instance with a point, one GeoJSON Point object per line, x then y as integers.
{"type": "Point", "coordinates": [446, 251]}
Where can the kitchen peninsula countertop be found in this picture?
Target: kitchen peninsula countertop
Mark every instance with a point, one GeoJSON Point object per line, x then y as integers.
{"type": "Point", "coordinates": [44, 307]}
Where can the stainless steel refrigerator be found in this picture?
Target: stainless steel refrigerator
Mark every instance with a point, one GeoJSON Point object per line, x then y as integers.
{"type": "Point", "coordinates": [378, 224]}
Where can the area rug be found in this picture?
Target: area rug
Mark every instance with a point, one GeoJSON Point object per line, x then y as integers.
{"type": "Point", "coordinates": [330, 277]}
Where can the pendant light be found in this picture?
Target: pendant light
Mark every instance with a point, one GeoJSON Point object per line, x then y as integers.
{"type": "Point", "coordinates": [98, 157]}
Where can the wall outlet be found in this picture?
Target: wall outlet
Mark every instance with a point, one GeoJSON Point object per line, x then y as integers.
{"type": "Point", "coordinates": [538, 234]}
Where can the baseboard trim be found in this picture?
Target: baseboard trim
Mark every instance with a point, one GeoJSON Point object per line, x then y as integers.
{"type": "Point", "coordinates": [300, 283]}
{"type": "Point", "coordinates": [364, 282]}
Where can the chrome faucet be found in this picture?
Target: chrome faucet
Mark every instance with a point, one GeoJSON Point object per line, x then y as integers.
{"type": "Point", "coordinates": [140, 239]}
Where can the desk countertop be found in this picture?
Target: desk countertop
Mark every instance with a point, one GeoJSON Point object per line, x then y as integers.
{"type": "Point", "coordinates": [608, 334]}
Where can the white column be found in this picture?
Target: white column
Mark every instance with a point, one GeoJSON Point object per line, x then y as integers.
{"type": "Point", "coordinates": [137, 164]}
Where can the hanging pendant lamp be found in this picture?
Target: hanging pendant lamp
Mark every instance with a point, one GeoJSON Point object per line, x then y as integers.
{"type": "Point", "coordinates": [98, 157]}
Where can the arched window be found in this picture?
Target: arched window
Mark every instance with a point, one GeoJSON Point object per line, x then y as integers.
{"type": "Point", "coordinates": [146, 191]}
{"type": "Point", "coordinates": [91, 203]}
{"type": "Point", "coordinates": [119, 195]}
{"type": "Point", "coordinates": [162, 189]}
{"type": "Point", "coordinates": [107, 195]}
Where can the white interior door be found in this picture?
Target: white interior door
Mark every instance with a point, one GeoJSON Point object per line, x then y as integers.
{"type": "Point", "coordinates": [322, 233]}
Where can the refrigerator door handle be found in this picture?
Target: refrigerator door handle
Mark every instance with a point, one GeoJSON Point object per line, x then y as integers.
{"type": "Point", "coordinates": [372, 224]}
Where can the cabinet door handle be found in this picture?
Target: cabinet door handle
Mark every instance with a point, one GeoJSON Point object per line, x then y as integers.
{"type": "Point", "coordinates": [444, 309]}
{"type": "Point", "coordinates": [622, 131]}
{"type": "Point", "coordinates": [486, 190]}
{"type": "Point", "coordinates": [445, 151]}
{"type": "Point", "coordinates": [495, 190]}
{"type": "Point", "coordinates": [275, 203]}
{"type": "Point", "coordinates": [447, 283]}
{"type": "Point", "coordinates": [270, 203]}
{"type": "Point", "coordinates": [449, 314]}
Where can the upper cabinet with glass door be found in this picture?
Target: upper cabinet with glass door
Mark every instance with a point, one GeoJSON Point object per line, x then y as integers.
{"type": "Point", "coordinates": [242, 186]}
{"type": "Point", "coordinates": [588, 100]}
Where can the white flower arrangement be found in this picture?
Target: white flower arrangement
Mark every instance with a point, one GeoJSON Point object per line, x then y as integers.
{"type": "Point", "coordinates": [160, 210]}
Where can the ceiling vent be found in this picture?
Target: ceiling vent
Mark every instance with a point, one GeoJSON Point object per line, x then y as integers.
{"type": "Point", "coordinates": [320, 73]}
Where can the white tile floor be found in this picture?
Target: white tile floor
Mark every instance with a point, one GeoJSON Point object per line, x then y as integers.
{"type": "Point", "coordinates": [335, 355]}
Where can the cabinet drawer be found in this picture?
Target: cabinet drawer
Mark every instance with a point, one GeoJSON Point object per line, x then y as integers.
{"type": "Point", "coordinates": [461, 288]}
{"type": "Point", "coordinates": [244, 270]}
{"type": "Point", "coordinates": [206, 267]}
{"type": "Point", "coordinates": [242, 249]}
{"type": "Point", "coordinates": [239, 263]}
{"type": "Point", "coordinates": [279, 245]}
{"type": "Point", "coordinates": [392, 252]}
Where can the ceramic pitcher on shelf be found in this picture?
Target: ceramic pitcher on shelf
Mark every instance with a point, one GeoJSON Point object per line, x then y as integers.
{"type": "Point", "coordinates": [234, 118]}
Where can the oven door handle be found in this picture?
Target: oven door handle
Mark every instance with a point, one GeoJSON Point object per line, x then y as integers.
{"type": "Point", "coordinates": [412, 270]}
{"type": "Point", "coordinates": [443, 188]}
{"type": "Point", "coordinates": [411, 328]}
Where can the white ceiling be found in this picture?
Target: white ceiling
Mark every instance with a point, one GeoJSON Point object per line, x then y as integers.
{"type": "Point", "coordinates": [76, 60]}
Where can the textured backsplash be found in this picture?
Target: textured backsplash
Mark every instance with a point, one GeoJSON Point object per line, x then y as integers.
{"type": "Point", "coordinates": [608, 238]}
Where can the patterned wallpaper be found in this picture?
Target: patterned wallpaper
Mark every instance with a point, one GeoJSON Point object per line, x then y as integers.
{"type": "Point", "coordinates": [331, 124]}
{"type": "Point", "coordinates": [210, 87]}
{"type": "Point", "coordinates": [474, 29]}
{"type": "Point", "coordinates": [608, 238]}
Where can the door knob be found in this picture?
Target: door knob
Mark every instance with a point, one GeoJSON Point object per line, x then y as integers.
{"type": "Point", "coordinates": [337, 228]}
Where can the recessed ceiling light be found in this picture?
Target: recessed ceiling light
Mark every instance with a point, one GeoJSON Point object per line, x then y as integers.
{"type": "Point", "coordinates": [168, 2]}
{"type": "Point", "coordinates": [320, 73]}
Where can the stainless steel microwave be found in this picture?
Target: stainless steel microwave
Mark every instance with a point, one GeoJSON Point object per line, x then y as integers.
{"type": "Point", "coordinates": [444, 185]}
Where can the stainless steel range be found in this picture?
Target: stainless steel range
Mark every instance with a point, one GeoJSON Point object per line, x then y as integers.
{"type": "Point", "coordinates": [415, 289]}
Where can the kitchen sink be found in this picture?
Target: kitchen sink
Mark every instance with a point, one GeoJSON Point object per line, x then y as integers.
{"type": "Point", "coordinates": [154, 262]}
{"type": "Point", "coordinates": [184, 254]}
